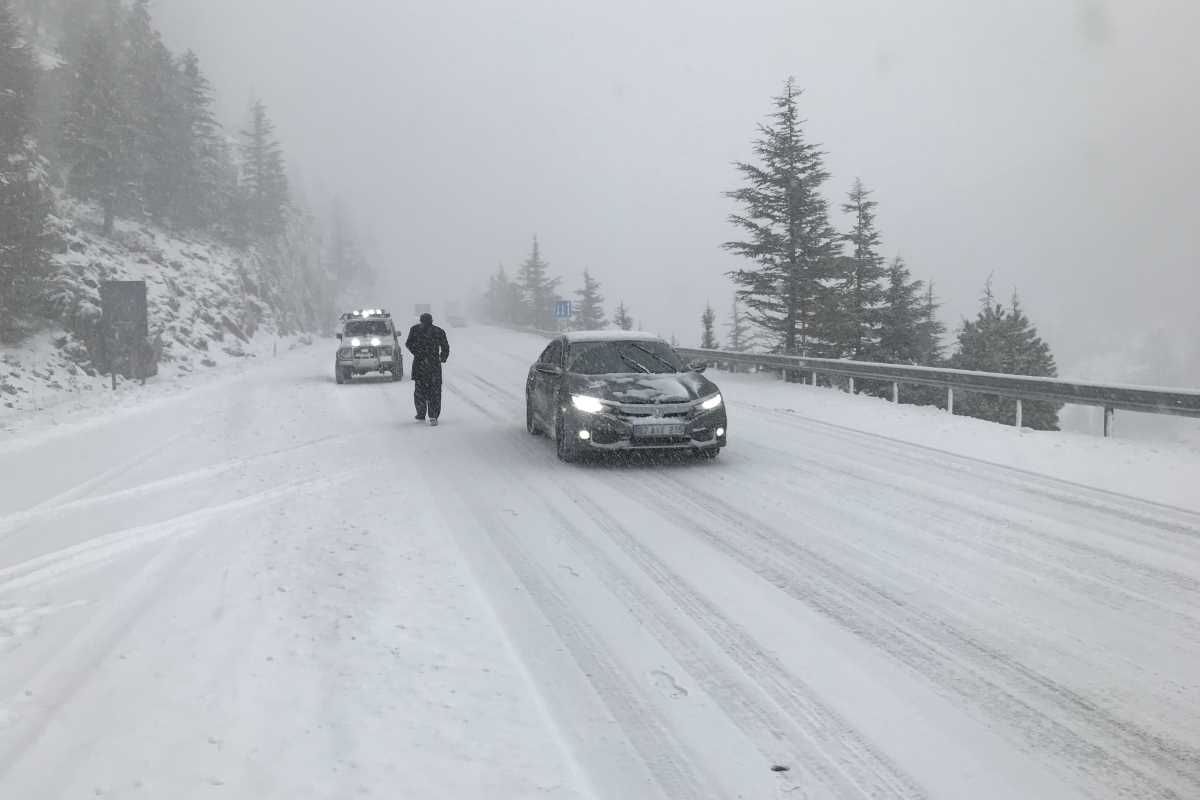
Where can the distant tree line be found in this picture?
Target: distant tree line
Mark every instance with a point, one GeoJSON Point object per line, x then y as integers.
{"type": "Point", "coordinates": [108, 116]}
{"type": "Point", "coordinates": [530, 298]}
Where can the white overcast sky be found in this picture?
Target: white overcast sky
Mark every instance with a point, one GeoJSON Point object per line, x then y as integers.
{"type": "Point", "coordinates": [1054, 144]}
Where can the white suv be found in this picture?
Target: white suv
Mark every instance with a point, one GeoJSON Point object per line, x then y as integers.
{"type": "Point", "coordinates": [367, 342]}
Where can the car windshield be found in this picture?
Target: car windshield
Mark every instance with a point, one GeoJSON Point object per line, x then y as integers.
{"type": "Point", "coordinates": [605, 358]}
{"type": "Point", "coordinates": [367, 327]}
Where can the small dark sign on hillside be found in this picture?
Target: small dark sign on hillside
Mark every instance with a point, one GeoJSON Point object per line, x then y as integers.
{"type": "Point", "coordinates": [125, 330]}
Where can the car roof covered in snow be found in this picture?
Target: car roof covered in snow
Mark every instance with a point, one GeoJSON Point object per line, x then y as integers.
{"type": "Point", "coordinates": [610, 336]}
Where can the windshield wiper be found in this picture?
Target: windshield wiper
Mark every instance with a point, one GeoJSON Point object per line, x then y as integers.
{"type": "Point", "coordinates": [635, 362]}
{"type": "Point", "coordinates": [655, 356]}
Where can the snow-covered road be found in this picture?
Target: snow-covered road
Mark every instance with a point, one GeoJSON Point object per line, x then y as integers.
{"type": "Point", "coordinates": [275, 587]}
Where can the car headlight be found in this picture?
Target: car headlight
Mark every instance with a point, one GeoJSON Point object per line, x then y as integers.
{"type": "Point", "coordinates": [711, 403]}
{"type": "Point", "coordinates": [375, 342]}
{"type": "Point", "coordinates": [355, 342]}
{"type": "Point", "coordinates": [587, 404]}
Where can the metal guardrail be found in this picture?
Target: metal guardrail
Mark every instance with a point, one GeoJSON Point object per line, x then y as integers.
{"type": "Point", "coordinates": [1110, 397]}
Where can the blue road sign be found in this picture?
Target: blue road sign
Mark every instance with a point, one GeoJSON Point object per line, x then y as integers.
{"type": "Point", "coordinates": [562, 309]}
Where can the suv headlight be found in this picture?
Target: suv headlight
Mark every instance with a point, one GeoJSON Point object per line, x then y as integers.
{"type": "Point", "coordinates": [376, 341]}
{"type": "Point", "coordinates": [711, 403]}
{"type": "Point", "coordinates": [587, 404]}
{"type": "Point", "coordinates": [355, 342]}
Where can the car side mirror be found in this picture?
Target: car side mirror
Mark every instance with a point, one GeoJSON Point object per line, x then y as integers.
{"type": "Point", "coordinates": [549, 369]}
{"type": "Point", "coordinates": [697, 366]}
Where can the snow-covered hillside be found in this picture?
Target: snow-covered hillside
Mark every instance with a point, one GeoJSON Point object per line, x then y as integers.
{"type": "Point", "coordinates": [208, 305]}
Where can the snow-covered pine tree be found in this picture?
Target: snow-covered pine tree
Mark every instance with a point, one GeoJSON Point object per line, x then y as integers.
{"type": "Point", "coordinates": [930, 330]}
{"type": "Point", "coordinates": [858, 289]}
{"type": "Point", "coordinates": [264, 175]}
{"type": "Point", "coordinates": [589, 311]}
{"type": "Point", "coordinates": [537, 289]}
{"type": "Point", "coordinates": [789, 239]}
{"type": "Point", "coordinates": [739, 339]}
{"type": "Point", "coordinates": [1004, 340]}
{"type": "Point", "coordinates": [206, 174]}
{"type": "Point", "coordinates": [621, 317]}
{"type": "Point", "coordinates": [149, 76]}
{"type": "Point", "coordinates": [25, 198]}
{"type": "Point", "coordinates": [97, 136]}
{"type": "Point", "coordinates": [708, 335]}
{"type": "Point", "coordinates": [900, 316]}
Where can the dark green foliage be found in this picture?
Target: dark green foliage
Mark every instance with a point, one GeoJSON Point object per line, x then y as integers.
{"type": "Point", "coordinates": [264, 176]}
{"type": "Point", "coordinates": [789, 238]}
{"type": "Point", "coordinates": [708, 322]}
{"type": "Point", "coordinates": [205, 172]}
{"type": "Point", "coordinates": [25, 199]}
{"type": "Point", "coordinates": [537, 290]}
{"type": "Point", "coordinates": [97, 136]}
{"type": "Point", "coordinates": [930, 330]}
{"type": "Point", "coordinates": [858, 294]}
{"type": "Point", "coordinates": [1004, 340]}
{"type": "Point", "coordinates": [589, 311]}
{"type": "Point", "coordinates": [621, 317]}
{"type": "Point", "coordinates": [899, 317]}
{"type": "Point", "coordinates": [740, 339]}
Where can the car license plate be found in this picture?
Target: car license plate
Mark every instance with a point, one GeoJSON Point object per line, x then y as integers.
{"type": "Point", "coordinates": [658, 430]}
{"type": "Point", "coordinates": [366, 352]}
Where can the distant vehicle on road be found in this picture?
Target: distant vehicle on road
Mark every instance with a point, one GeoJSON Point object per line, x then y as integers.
{"type": "Point", "coordinates": [611, 391]}
{"type": "Point", "coordinates": [367, 342]}
{"type": "Point", "coordinates": [455, 316]}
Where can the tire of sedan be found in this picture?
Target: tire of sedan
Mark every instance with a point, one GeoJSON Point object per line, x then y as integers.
{"type": "Point", "coordinates": [710, 454]}
{"type": "Point", "coordinates": [530, 422]}
{"type": "Point", "coordinates": [566, 449]}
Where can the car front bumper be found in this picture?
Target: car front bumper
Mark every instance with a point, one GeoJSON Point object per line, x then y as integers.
{"type": "Point", "coordinates": [611, 433]}
{"type": "Point", "coordinates": [368, 360]}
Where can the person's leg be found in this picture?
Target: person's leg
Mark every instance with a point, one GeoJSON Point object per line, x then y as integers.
{"type": "Point", "coordinates": [435, 394]}
{"type": "Point", "coordinates": [420, 395]}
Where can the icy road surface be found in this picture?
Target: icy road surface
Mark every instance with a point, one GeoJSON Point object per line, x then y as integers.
{"type": "Point", "coordinates": [275, 587]}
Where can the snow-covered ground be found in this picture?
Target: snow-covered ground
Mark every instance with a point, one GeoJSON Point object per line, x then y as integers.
{"type": "Point", "coordinates": [274, 587]}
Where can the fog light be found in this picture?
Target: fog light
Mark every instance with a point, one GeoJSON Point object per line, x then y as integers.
{"type": "Point", "coordinates": [720, 432]}
{"type": "Point", "coordinates": [585, 435]}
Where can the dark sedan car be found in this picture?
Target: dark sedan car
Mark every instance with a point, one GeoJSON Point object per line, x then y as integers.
{"type": "Point", "coordinates": [611, 391]}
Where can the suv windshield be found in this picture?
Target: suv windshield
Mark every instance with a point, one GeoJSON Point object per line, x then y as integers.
{"type": "Point", "coordinates": [604, 358]}
{"type": "Point", "coordinates": [367, 327]}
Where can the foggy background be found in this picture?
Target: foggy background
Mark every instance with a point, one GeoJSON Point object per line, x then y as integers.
{"type": "Point", "coordinates": [1054, 145]}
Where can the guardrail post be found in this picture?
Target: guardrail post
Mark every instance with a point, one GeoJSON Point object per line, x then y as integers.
{"type": "Point", "coordinates": [1108, 421]}
{"type": "Point", "coordinates": [1020, 410]}
{"type": "Point", "coordinates": [895, 391]}
{"type": "Point", "coordinates": [950, 399]}
{"type": "Point", "coordinates": [851, 384]}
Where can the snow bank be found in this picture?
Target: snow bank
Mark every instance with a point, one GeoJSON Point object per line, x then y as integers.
{"type": "Point", "coordinates": [1163, 472]}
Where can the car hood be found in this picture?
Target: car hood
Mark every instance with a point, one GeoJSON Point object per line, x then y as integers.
{"type": "Point", "coordinates": [681, 387]}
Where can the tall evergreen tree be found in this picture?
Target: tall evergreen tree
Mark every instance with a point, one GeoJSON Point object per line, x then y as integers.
{"type": "Point", "coordinates": [929, 330]}
{"type": "Point", "coordinates": [264, 175]}
{"type": "Point", "coordinates": [708, 335]}
{"type": "Point", "coordinates": [621, 317]}
{"type": "Point", "coordinates": [589, 311]}
{"type": "Point", "coordinates": [900, 316]}
{"type": "Point", "coordinates": [858, 289]}
{"type": "Point", "coordinates": [97, 137]}
{"type": "Point", "coordinates": [1004, 340]}
{"type": "Point", "coordinates": [789, 236]}
{"type": "Point", "coordinates": [503, 299]}
{"type": "Point", "coordinates": [537, 289]}
{"type": "Point", "coordinates": [205, 172]}
{"type": "Point", "coordinates": [155, 112]}
{"type": "Point", "coordinates": [25, 199]}
{"type": "Point", "coordinates": [739, 340]}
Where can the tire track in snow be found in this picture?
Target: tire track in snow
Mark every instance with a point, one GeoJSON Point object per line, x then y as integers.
{"type": "Point", "coordinates": [110, 546]}
{"type": "Point", "coordinates": [828, 750]}
{"type": "Point", "coordinates": [979, 676]}
{"type": "Point", "coordinates": [662, 753]}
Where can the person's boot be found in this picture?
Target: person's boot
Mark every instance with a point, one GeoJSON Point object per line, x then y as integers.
{"type": "Point", "coordinates": [433, 422]}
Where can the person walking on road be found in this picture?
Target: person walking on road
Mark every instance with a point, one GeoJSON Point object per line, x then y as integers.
{"type": "Point", "coordinates": [430, 349]}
